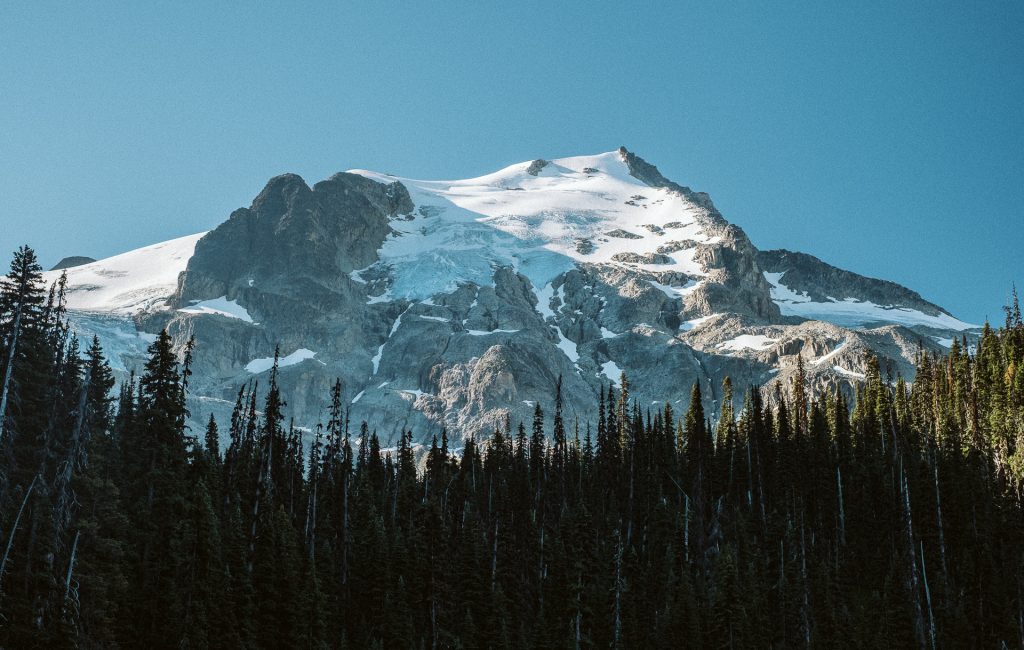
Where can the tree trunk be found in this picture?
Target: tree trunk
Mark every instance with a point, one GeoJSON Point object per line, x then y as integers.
{"type": "Point", "coordinates": [65, 497]}
{"type": "Point", "coordinates": [805, 609]}
{"type": "Point", "coordinates": [494, 559]}
{"type": "Point", "coordinates": [311, 521]}
{"type": "Point", "coordinates": [750, 478]}
{"type": "Point", "coordinates": [913, 581]}
{"type": "Point", "coordinates": [344, 527]}
{"type": "Point", "coordinates": [9, 369]}
{"type": "Point", "coordinates": [842, 510]}
{"type": "Point", "coordinates": [941, 526]}
{"type": "Point", "coordinates": [686, 527]}
{"type": "Point", "coordinates": [71, 566]}
{"type": "Point", "coordinates": [928, 600]}
{"type": "Point", "coordinates": [14, 528]}
{"type": "Point", "coordinates": [617, 639]}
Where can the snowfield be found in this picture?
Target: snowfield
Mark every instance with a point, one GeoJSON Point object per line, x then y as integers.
{"type": "Point", "coordinates": [586, 209]}
{"type": "Point", "coordinates": [139, 280]}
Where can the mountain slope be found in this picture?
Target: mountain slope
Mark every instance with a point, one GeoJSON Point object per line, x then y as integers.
{"type": "Point", "coordinates": [804, 286]}
{"type": "Point", "coordinates": [134, 282]}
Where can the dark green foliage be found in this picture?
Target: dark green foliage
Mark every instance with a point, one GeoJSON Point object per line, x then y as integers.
{"type": "Point", "coordinates": [793, 521]}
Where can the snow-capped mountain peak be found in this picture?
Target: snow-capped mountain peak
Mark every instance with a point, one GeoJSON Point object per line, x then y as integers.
{"type": "Point", "coordinates": [456, 303]}
{"type": "Point", "coordinates": [540, 218]}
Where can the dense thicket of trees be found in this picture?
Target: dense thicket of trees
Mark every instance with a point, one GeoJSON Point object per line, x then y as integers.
{"type": "Point", "coordinates": [897, 522]}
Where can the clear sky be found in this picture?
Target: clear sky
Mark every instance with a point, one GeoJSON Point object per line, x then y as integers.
{"type": "Point", "coordinates": [888, 140]}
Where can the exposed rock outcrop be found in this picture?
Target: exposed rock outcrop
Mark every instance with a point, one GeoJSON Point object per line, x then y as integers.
{"type": "Point", "coordinates": [71, 262]}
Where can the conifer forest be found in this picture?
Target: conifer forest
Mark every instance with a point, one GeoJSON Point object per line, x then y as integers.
{"type": "Point", "coordinates": [887, 518]}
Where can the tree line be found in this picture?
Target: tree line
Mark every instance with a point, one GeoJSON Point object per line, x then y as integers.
{"type": "Point", "coordinates": [888, 518]}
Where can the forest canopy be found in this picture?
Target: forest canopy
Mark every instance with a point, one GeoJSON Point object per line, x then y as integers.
{"type": "Point", "coordinates": [888, 517]}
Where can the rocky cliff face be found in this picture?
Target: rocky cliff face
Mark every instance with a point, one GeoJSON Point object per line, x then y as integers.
{"type": "Point", "coordinates": [458, 304]}
{"type": "Point", "coordinates": [293, 234]}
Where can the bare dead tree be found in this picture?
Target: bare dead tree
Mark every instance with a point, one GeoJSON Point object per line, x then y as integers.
{"type": "Point", "coordinates": [14, 528]}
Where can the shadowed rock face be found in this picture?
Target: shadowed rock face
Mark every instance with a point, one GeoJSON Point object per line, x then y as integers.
{"type": "Point", "coordinates": [71, 262]}
{"type": "Point", "coordinates": [291, 234]}
{"type": "Point", "coordinates": [306, 265]}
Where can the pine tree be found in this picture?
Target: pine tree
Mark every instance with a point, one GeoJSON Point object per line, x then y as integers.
{"type": "Point", "coordinates": [154, 488]}
{"type": "Point", "coordinates": [211, 440]}
{"type": "Point", "coordinates": [21, 302]}
{"type": "Point", "coordinates": [537, 447]}
{"type": "Point", "coordinates": [99, 589]}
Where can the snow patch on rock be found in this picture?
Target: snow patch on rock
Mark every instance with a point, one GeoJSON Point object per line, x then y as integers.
{"type": "Point", "coordinates": [757, 342]}
{"type": "Point", "coordinates": [694, 323]}
{"type": "Point", "coordinates": [487, 332]}
{"type": "Point", "coordinates": [848, 373]}
{"type": "Point", "coordinates": [823, 359]}
{"type": "Point", "coordinates": [611, 370]}
{"type": "Point", "coordinates": [264, 364]}
{"type": "Point", "coordinates": [220, 307]}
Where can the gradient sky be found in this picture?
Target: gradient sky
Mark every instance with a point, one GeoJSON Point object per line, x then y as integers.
{"type": "Point", "coordinates": [886, 140]}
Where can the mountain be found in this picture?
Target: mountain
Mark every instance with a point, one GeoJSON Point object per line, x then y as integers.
{"type": "Point", "coordinates": [460, 303]}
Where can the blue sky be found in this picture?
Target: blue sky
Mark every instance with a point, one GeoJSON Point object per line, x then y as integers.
{"type": "Point", "coordinates": [886, 140]}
